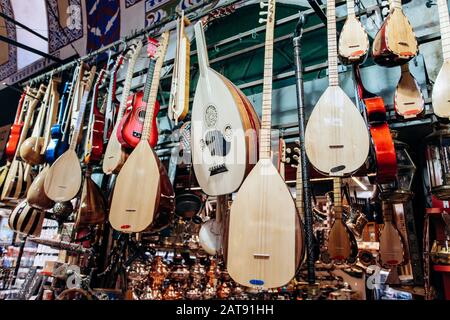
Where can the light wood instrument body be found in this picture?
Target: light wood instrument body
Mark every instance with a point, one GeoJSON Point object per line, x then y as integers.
{"type": "Point", "coordinates": [212, 231]}
{"type": "Point", "coordinates": [353, 39]}
{"type": "Point", "coordinates": [36, 196]}
{"type": "Point", "coordinates": [115, 156]}
{"type": "Point", "coordinates": [395, 42]}
{"type": "Point", "coordinates": [223, 129]}
{"type": "Point", "coordinates": [408, 99]}
{"type": "Point", "coordinates": [391, 244]}
{"type": "Point", "coordinates": [441, 89]}
{"type": "Point", "coordinates": [143, 197]}
{"type": "Point", "coordinates": [336, 136]}
{"type": "Point", "coordinates": [263, 244]}
{"type": "Point", "coordinates": [339, 240]}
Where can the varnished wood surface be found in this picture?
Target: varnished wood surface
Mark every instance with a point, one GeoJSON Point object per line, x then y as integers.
{"type": "Point", "coordinates": [391, 244]}
{"type": "Point", "coordinates": [408, 99]}
{"type": "Point", "coordinates": [353, 41]}
{"type": "Point", "coordinates": [36, 196]}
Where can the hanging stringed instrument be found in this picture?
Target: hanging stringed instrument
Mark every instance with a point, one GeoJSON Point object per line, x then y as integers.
{"type": "Point", "coordinates": [111, 101]}
{"type": "Point", "coordinates": [408, 99]}
{"type": "Point", "coordinates": [339, 239]}
{"type": "Point", "coordinates": [143, 197]}
{"type": "Point", "coordinates": [59, 132]}
{"type": "Point", "coordinates": [222, 153]}
{"type": "Point", "coordinates": [115, 156]}
{"type": "Point", "coordinates": [93, 149]}
{"type": "Point", "coordinates": [335, 121]}
{"type": "Point", "coordinates": [212, 231]}
{"type": "Point", "coordinates": [63, 180]}
{"type": "Point", "coordinates": [383, 144]}
{"type": "Point", "coordinates": [440, 97]}
{"type": "Point", "coordinates": [16, 128]}
{"type": "Point", "coordinates": [132, 123]}
{"type": "Point", "coordinates": [391, 243]}
{"type": "Point", "coordinates": [395, 42]}
{"type": "Point", "coordinates": [32, 150]}
{"type": "Point", "coordinates": [93, 208]}
{"type": "Point", "coordinates": [263, 246]}
{"type": "Point", "coordinates": [353, 39]}
{"type": "Point", "coordinates": [179, 92]}
{"type": "Point", "coordinates": [19, 178]}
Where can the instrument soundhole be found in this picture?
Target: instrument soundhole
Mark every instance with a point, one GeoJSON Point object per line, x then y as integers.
{"type": "Point", "coordinates": [211, 116]}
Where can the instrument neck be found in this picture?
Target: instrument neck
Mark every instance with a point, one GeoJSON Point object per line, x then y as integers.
{"type": "Point", "coordinates": [337, 202]}
{"type": "Point", "coordinates": [405, 68]}
{"type": "Point", "coordinates": [395, 4]}
{"type": "Point", "coordinates": [445, 28]}
{"type": "Point", "coordinates": [148, 81]}
{"type": "Point", "coordinates": [350, 8]}
{"type": "Point", "coordinates": [202, 49]}
{"type": "Point", "coordinates": [266, 119]}
{"type": "Point", "coordinates": [128, 80]}
{"type": "Point", "coordinates": [387, 212]}
{"type": "Point", "coordinates": [20, 109]}
{"type": "Point", "coordinates": [80, 118]}
{"type": "Point", "coordinates": [299, 190]}
{"type": "Point", "coordinates": [332, 44]}
{"type": "Point", "coordinates": [221, 207]}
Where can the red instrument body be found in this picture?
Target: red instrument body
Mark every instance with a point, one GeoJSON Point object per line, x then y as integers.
{"type": "Point", "coordinates": [97, 137]}
{"type": "Point", "coordinates": [132, 123]}
{"type": "Point", "coordinates": [16, 130]}
{"type": "Point", "coordinates": [386, 159]}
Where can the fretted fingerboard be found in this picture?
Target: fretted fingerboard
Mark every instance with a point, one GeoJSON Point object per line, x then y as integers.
{"type": "Point", "coordinates": [445, 28]}
{"type": "Point", "coordinates": [395, 4]}
{"type": "Point", "coordinates": [350, 7]}
{"type": "Point", "coordinates": [266, 118]}
{"type": "Point", "coordinates": [337, 198]}
{"type": "Point", "coordinates": [332, 44]}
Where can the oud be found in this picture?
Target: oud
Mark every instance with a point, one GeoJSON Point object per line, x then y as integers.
{"type": "Point", "coordinates": [262, 247]}
{"type": "Point", "coordinates": [222, 117]}
{"type": "Point", "coordinates": [441, 90]}
{"type": "Point", "coordinates": [115, 156]}
{"type": "Point", "coordinates": [63, 180]}
{"type": "Point", "coordinates": [143, 195]}
{"type": "Point", "coordinates": [335, 121]}
{"type": "Point", "coordinates": [353, 40]}
{"type": "Point", "coordinates": [395, 42]}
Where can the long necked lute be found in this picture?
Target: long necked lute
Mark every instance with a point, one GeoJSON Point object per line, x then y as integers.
{"type": "Point", "coordinates": [143, 197]}
{"type": "Point", "coordinates": [339, 239]}
{"type": "Point", "coordinates": [353, 40]}
{"type": "Point", "coordinates": [391, 244]}
{"type": "Point", "coordinates": [115, 156]}
{"type": "Point", "coordinates": [335, 121]}
{"type": "Point", "coordinates": [179, 92]}
{"type": "Point", "coordinates": [395, 42]}
{"type": "Point", "coordinates": [224, 128]}
{"type": "Point", "coordinates": [441, 90]}
{"type": "Point", "coordinates": [63, 180]}
{"type": "Point", "coordinates": [18, 179]}
{"type": "Point", "coordinates": [263, 250]}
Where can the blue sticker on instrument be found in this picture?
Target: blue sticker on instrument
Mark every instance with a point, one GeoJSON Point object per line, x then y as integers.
{"type": "Point", "coordinates": [256, 282]}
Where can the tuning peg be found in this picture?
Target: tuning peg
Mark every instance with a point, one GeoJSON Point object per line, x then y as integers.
{"type": "Point", "coordinates": [297, 142]}
{"type": "Point", "coordinates": [262, 4]}
{"type": "Point", "coordinates": [262, 13]}
{"type": "Point", "coordinates": [288, 160]}
{"type": "Point", "coordinates": [294, 165]}
{"type": "Point", "coordinates": [261, 20]}
{"type": "Point", "coordinates": [288, 150]}
{"type": "Point", "coordinates": [296, 157]}
{"type": "Point", "coordinates": [297, 150]}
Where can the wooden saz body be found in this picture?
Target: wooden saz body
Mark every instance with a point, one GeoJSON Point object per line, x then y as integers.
{"type": "Point", "coordinates": [395, 42]}
{"type": "Point", "coordinates": [408, 99]}
{"type": "Point", "coordinates": [391, 243]}
{"type": "Point", "coordinates": [132, 123]}
{"type": "Point", "coordinates": [36, 196]}
{"type": "Point", "coordinates": [26, 220]}
{"type": "Point", "coordinates": [63, 179]}
{"type": "Point", "coordinates": [336, 137]}
{"type": "Point", "coordinates": [143, 196]}
{"type": "Point", "coordinates": [383, 144]}
{"type": "Point", "coordinates": [441, 92]}
{"type": "Point", "coordinates": [93, 206]}
{"type": "Point", "coordinates": [224, 129]}
{"type": "Point", "coordinates": [264, 246]}
{"type": "Point", "coordinates": [353, 41]}
{"type": "Point", "coordinates": [17, 181]}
